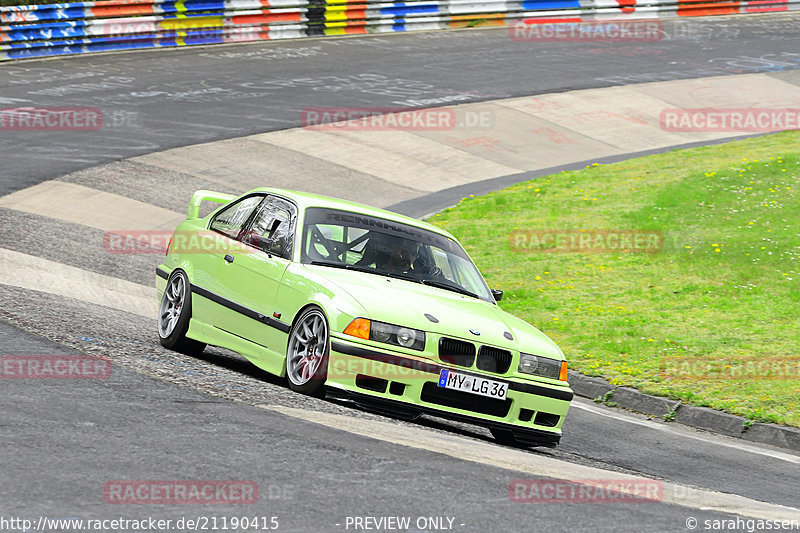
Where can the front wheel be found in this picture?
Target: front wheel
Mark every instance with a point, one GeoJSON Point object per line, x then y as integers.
{"type": "Point", "coordinates": [174, 314]}
{"type": "Point", "coordinates": [307, 352]}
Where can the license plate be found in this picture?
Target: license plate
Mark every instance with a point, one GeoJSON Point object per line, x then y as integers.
{"type": "Point", "coordinates": [473, 384]}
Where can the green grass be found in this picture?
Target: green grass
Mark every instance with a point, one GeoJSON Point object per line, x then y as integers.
{"type": "Point", "coordinates": [724, 290]}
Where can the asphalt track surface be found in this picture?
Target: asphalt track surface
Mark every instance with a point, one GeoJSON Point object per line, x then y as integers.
{"type": "Point", "coordinates": [64, 440]}
{"type": "Point", "coordinates": [158, 100]}
{"type": "Point", "coordinates": [72, 438]}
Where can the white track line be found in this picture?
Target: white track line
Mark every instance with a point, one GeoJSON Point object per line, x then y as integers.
{"type": "Point", "coordinates": [90, 207]}
{"type": "Point", "coordinates": [31, 272]}
{"type": "Point", "coordinates": [683, 434]}
{"type": "Point", "coordinates": [534, 464]}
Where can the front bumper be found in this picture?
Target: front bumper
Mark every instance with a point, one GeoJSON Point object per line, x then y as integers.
{"type": "Point", "coordinates": [408, 385]}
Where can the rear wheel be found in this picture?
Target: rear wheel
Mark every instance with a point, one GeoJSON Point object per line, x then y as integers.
{"type": "Point", "coordinates": [307, 353]}
{"type": "Point", "coordinates": [174, 314]}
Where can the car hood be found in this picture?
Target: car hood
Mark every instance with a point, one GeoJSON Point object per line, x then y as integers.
{"type": "Point", "coordinates": [405, 303]}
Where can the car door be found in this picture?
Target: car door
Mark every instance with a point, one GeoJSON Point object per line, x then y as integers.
{"type": "Point", "coordinates": [208, 249]}
{"type": "Point", "coordinates": [250, 274]}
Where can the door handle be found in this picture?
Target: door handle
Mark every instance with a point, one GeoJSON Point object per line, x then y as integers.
{"type": "Point", "coordinates": [229, 258]}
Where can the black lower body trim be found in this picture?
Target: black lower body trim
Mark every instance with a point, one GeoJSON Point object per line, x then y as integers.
{"type": "Point", "coordinates": [529, 436]}
{"type": "Point", "coordinates": [161, 273]}
{"type": "Point", "coordinates": [246, 311]}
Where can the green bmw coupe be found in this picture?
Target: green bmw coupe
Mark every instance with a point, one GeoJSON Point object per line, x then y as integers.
{"type": "Point", "coordinates": [361, 303]}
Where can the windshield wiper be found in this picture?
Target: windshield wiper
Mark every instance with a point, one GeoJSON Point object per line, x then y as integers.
{"type": "Point", "coordinates": [448, 287]}
{"type": "Point", "coordinates": [433, 283]}
{"type": "Point", "coordinates": [400, 275]}
{"type": "Point", "coordinates": [328, 264]}
{"type": "Point", "coordinates": [345, 266]}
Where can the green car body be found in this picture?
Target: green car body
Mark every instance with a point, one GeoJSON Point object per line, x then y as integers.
{"type": "Point", "coordinates": [258, 278]}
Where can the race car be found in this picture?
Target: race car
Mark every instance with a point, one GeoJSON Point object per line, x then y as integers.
{"type": "Point", "coordinates": [359, 303]}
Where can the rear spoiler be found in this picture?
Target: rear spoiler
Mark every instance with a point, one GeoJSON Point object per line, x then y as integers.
{"type": "Point", "coordinates": [200, 196]}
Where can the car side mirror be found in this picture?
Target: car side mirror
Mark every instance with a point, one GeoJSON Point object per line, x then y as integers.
{"type": "Point", "coordinates": [498, 294]}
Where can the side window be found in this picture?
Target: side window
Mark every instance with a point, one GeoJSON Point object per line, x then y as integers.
{"type": "Point", "coordinates": [231, 220]}
{"type": "Point", "coordinates": [273, 228]}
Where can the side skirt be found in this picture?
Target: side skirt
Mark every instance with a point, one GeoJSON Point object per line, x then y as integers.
{"type": "Point", "coordinates": [272, 362]}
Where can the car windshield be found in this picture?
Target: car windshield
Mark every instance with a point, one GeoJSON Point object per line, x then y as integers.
{"type": "Point", "coordinates": [383, 247]}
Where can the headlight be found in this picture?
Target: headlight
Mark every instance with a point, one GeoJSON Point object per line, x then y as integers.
{"type": "Point", "coordinates": [388, 333]}
{"type": "Point", "coordinates": [542, 366]}
{"type": "Point", "coordinates": [406, 337]}
{"type": "Point", "coordinates": [380, 332]}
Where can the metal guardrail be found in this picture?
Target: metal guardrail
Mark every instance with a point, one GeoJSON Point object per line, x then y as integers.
{"type": "Point", "coordinates": [83, 27]}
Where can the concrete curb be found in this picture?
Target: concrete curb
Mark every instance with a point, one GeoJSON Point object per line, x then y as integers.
{"type": "Point", "coordinates": [689, 415]}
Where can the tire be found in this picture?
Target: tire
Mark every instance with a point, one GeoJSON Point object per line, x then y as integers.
{"type": "Point", "coordinates": [174, 314]}
{"type": "Point", "coordinates": [307, 353]}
